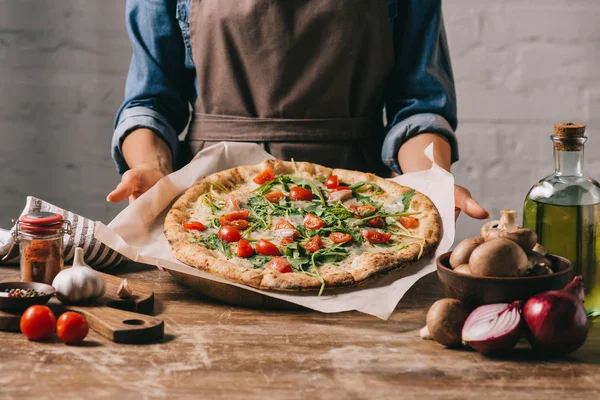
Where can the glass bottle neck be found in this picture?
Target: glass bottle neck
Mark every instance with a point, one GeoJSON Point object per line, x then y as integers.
{"type": "Point", "coordinates": [568, 163]}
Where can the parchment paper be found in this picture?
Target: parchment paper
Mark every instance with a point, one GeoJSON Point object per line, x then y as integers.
{"type": "Point", "coordinates": [137, 232]}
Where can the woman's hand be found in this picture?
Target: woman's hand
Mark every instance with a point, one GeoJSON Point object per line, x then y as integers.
{"type": "Point", "coordinates": [149, 158]}
{"type": "Point", "coordinates": [136, 182]}
{"type": "Point", "coordinates": [411, 158]}
{"type": "Point", "coordinates": [464, 202]}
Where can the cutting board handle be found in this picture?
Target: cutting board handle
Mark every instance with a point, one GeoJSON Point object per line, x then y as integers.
{"type": "Point", "coordinates": [122, 326]}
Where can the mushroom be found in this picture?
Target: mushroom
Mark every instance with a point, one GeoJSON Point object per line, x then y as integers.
{"type": "Point", "coordinates": [463, 251]}
{"type": "Point", "coordinates": [463, 269]}
{"type": "Point", "coordinates": [538, 264]}
{"type": "Point", "coordinates": [499, 257]}
{"type": "Point", "coordinates": [445, 320]}
{"type": "Point", "coordinates": [507, 228]}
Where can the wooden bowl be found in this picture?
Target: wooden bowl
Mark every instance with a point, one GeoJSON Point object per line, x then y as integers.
{"type": "Point", "coordinates": [477, 290]}
{"type": "Point", "coordinates": [22, 303]}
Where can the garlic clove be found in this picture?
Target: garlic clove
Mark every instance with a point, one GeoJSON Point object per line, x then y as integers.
{"type": "Point", "coordinates": [124, 291]}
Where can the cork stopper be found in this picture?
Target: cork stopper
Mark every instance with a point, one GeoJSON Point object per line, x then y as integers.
{"type": "Point", "coordinates": [569, 136]}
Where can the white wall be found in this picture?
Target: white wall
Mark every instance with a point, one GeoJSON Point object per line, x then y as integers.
{"type": "Point", "coordinates": [519, 65]}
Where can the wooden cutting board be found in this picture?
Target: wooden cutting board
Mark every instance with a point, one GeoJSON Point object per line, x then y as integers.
{"type": "Point", "coordinates": [116, 319]}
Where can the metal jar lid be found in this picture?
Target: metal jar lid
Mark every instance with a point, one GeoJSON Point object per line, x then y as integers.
{"type": "Point", "coordinates": [42, 223]}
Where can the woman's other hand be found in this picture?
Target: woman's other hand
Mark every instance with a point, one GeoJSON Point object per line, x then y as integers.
{"type": "Point", "coordinates": [149, 159]}
{"type": "Point", "coordinates": [464, 202]}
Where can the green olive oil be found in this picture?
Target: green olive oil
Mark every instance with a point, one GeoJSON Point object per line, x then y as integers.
{"type": "Point", "coordinates": [571, 232]}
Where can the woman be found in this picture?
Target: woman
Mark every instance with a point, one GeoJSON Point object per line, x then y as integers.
{"type": "Point", "coordinates": [307, 79]}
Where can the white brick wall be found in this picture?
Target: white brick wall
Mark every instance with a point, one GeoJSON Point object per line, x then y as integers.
{"type": "Point", "coordinates": [519, 65]}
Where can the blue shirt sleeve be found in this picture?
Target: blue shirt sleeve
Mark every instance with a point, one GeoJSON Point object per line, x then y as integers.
{"type": "Point", "coordinates": [158, 88]}
{"type": "Point", "coordinates": [421, 98]}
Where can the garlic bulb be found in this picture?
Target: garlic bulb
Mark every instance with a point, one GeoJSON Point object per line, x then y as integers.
{"type": "Point", "coordinates": [80, 283]}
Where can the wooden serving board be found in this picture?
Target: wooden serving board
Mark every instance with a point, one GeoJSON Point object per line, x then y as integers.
{"type": "Point", "coordinates": [116, 319]}
{"type": "Point", "coordinates": [231, 294]}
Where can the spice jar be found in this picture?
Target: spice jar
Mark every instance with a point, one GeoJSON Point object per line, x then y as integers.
{"type": "Point", "coordinates": [40, 237]}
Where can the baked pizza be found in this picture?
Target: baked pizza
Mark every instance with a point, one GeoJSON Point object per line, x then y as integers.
{"type": "Point", "coordinates": [298, 226]}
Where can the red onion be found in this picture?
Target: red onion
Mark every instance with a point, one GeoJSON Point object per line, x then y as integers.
{"type": "Point", "coordinates": [493, 328]}
{"type": "Point", "coordinates": [556, 320]}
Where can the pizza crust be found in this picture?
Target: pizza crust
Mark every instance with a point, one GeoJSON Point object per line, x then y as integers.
{"type": "Point", "coordinates": [361, 269]}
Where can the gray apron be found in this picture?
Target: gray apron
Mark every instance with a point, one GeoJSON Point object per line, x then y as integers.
{"type": "Point", "coordinates": [303, 78]}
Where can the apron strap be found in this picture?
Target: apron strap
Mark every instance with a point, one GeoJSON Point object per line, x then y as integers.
{"type": "Point", "coordinates": [244, 129]}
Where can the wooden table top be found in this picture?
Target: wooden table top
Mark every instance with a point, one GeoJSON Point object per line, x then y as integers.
{"type": "Point", "coordinates": [214, 350]}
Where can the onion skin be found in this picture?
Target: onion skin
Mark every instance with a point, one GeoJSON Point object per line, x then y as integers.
{"type": "Point", "coordinates": [556, 321]}
{"type": "Point", "coordinates": [497, 340]}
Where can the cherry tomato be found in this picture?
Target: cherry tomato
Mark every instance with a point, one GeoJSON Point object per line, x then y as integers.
{"type": "Point", "coordinates": [408, 222]}
{"type": "Point", "coordinates": [194, 226]}
{"type": "Point", "coordinates": [376, 237]}
{"type": "Point", "coordinates": [267, 248]}
{"type": "Point", "coordinates": [338, 188]}
{"type": "Point", "coordinates": [300, 193]}
{"type": "Point", "coordinates": [266, 175]}
{"type": "Point", "coordinates": [286, 241]}
{"type": "Point", "coordinates": [229, 233]}
{"type": "Point", "coordinates": [339, 237]}
{"type": "Point", "coordinates": [240, 223]}
{"type": "Point", "coordinates": [244, 249]}
{"type": "Point", "coordinates": [376, 222]}
{"type": "Point", "coordinates": [38, 323]}
{"type": "Point", "coordinates": [237, 215]}
{"type": "Point", "coordinates": [285, 224]}
{"type": "Point", "coordinates": [312, 222]}
{"type": "Point", "coordinates": [332, 182]}
{"type": "Point", "coordinates": [314, 244]}
{"type": "Point", "coordinates": [72, 327]}
{"type": "Point", "coordinates": [279, 264]}
{"type": "Point", "coordinates": [232, 203]}
{"type": "Point", "coordinates": [363, 210]}
{"type": "Point", "coordinates": [275, 197]}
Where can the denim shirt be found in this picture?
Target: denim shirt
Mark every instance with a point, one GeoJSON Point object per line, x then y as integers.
{"type": "Point", "coordinates": [161, 84]}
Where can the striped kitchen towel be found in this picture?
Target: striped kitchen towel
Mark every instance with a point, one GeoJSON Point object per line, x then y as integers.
{"type": "Point", "coordinates": [96, 254]}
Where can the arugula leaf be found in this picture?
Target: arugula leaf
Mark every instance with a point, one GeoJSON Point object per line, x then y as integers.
{"type": "Point", "coordinates": [406, 199]}
{"type": "Point", "coordinates": [208, 200]}
{"type": "Point", "coordinates": [259, 261]}
{"type": "Point", "coordinates": [213, 242]}
{"type": "Point", "coordinates": [297, 257]}
{"type": "Point", "coordinates": [366, 187]}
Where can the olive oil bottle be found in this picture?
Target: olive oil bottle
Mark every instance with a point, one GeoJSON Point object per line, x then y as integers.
{"type": "Point", "coordinates": [564, 210]}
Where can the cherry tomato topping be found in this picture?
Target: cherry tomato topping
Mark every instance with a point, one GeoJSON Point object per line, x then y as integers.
{"type": "Point", "coordinates": [266, 175]}
{"type": "Point", "coordinates": [314, 244]}
{"type": "Point", "coordinates": [229, 233]}
{"type": "Point", "coordinates": [237, 215]}
{"type": "Point", "coordinates": [408, 222]}
{"type": "Point", "coordinates": [275, 197]}
{"type": "Point", "coordinates": [244, 249]}
{"type": "Point", "coordinates": [286, 241]}
{"type": "Point", "coordinates": [300, 193]}
{"type": "Point", "coordinates": [279, 264]}
{"type": "Point", "coordinates": [284, 228]}
{"type": "Point", "coordinates": [363, 210]}
{"type": "Point", "coordinates": [376, 222]}
{"type": "Point", "coordinates": [232, 203]}
{"type": "Point", "coordinates": [267, 248]}
{"type": "Point", "coordinates": [339, 237]}
{"type": "Point", "coordinates": [313, 222]}
{"type": "Point", "coordinates": [38, 323]}
{"type": "Point", "coordinates": [240, 223]}
{"type": "Point", "coordinates": [376, 237]}
{"type": "Point", "coordinates": [338, 188]}
{"type": "Point", "coordinates": [194, 226]}
{"type": "Point", "coordinates": [332, 182]}
{"type": "Point", "coordinates": [72, 327]}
